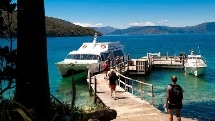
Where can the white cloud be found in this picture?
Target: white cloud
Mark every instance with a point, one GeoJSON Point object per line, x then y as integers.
{"type": "Point", "coordinates": [141, 24]}
{"type": "Point", "coordinates": [162, 21]}
{"type": "Point", "coordinates": [88, 24]}
{"type": "Point", "coordinates": [98, 24]}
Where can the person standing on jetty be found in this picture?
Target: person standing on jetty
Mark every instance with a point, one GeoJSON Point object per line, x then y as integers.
{"type": "Point", "coordinates": [106, 68]}
{"type": "Point", "coordinates": [174, 96]}
{"type": "Point", "coordinates": [112, 83]}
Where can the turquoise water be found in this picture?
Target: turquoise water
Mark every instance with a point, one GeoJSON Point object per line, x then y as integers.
{"type": "Point", "coordinates": [199, 100]}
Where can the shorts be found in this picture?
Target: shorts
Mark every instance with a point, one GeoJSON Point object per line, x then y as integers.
{"type": "Point", "coordinates": [113, 87]}
{"type": "Point", "coordinates": [174, 106]}
{"type": "Point", "coordinates": [106, 69]}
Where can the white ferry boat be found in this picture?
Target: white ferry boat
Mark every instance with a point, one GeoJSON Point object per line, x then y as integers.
{"type": "Point", "coordinates": [91, 56]}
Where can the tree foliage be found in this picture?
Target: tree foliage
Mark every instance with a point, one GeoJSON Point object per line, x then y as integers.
{"type": "Point", "coordinates": [7, 55]}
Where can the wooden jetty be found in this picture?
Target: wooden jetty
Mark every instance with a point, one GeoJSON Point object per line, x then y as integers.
{"type": "Point", "coordinates": [144, 65]}
{"type": "Point", "coordinates": [128, 106]}
{"type": "Point", "coordinates": [154, 60]}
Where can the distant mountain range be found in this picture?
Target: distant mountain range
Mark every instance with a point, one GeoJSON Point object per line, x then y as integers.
{"type": "Point", "coordinates": [208, 27]}
{"type": "Point", "coordinates": [105, 30]}
{"type": "Point", "coordinates": [60, 28]}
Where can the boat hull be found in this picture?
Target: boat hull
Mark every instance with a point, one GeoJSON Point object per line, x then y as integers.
{"type": "Point", "coordinates": [68, 69]}
{"type": "Point", "coordinates": [195, 70]}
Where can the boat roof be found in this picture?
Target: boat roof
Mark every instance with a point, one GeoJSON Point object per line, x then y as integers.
{"type": "Point", "coordinates": [97, 47]}
{"type": "Point", "coordinates": [192, 55]}
{"type": "Point", "coordinates": [189, 56]}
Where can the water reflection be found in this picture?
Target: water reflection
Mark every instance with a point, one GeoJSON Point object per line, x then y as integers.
{"type": "Point", "coordinates": [83, 96]}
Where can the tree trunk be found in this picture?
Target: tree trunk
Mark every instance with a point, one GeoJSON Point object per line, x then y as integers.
{"type": "Point", "coordinates": [32, 84]}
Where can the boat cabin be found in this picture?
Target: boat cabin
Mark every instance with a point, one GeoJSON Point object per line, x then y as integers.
{"type": "Point", "coordinates": [97, 51]}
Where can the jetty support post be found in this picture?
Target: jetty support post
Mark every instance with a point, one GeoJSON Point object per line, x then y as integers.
{"type": "Point", "coordinates": [95, 89]}
{"type": "Point", "coordinates": [152, 99]}
{"type": "Point", "coordinates": [141, 89]}
{"type": "Point", "coordinates": [119, 79]}
{"type": "Point", "coordinates": [73, 91]}
{"type": "Point", "coordinates": [125, 88]}
{"type": "Point", "coordinates": [90, 81]}
{"type": "Point", "coordinates": [132, 87]}
{"type": "Point", "coordinates": [128, 85]}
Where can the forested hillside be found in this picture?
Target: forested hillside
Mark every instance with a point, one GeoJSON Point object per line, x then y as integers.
{"type": "Point", "coordinates": [56, 27]}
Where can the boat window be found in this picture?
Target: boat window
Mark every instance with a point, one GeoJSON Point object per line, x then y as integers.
{"type": "Point", "coordinates": [115, 53]}
{"type": "Point", "coordinates": [105, 55]}
{"type": "Point", "coordinates": [82, 57]}
{"type": "Point", "coordinates": [118, 53]}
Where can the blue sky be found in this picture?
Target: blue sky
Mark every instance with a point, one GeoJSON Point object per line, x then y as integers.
{"type": "Point", "coordinates": [126, 13]}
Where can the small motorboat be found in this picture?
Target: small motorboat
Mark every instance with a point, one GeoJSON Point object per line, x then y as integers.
{"type": "Point", "coordinates": [195, 64]}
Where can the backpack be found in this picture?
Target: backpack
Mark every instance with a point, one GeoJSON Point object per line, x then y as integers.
{"type": "Point", "coordinates": [112, 78]}
{"type": "Point", "coordinates": [176, 94]}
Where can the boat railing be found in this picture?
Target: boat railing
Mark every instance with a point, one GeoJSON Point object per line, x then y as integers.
{"type": "Point", "coordinates": [204, 59]}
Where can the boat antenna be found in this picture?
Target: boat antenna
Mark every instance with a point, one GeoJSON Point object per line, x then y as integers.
{"type": "Point", "coordinates": [199, 49]}
{"type": "Point", "coordinates": [94, 40]}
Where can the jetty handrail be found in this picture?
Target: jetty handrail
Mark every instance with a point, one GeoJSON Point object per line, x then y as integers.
{"type": "Point", "coordinates": [134, 80]}
{"type": "Point", "coordinates": [127, 86]}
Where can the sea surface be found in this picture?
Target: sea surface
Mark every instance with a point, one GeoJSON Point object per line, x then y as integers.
{"type": "Point", "coordinates": [199, 92]}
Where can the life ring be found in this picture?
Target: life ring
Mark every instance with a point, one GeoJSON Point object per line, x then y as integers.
{"type": "Point", "coordinates": [103, 46]}
{"type": "Point", "coordinates": [84, 46]}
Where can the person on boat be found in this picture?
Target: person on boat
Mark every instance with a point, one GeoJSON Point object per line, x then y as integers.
{"type": "Point", "coordinates": [101, 58]}
{"type": "Point", "coordinates": [118, 61]}
{"type": "Point", "coordinates": [108, 59]}
{"type": "Point", "coordinates": [167, 56]}
{"type": "Point", "coordinates": [112, 83]}
{"type": "Point", "coordinates": [106, 68]}
{"type": "Point", "coordinates": [174, 96]}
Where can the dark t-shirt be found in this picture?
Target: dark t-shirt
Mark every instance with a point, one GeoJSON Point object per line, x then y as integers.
{"type": "Point", "coordinates": [118, 60]}
{"type": "Point", "coordinates": [112, 78]}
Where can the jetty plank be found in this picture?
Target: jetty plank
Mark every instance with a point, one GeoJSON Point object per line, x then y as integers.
{"type": "Point", "coordinates": [128, 106]}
